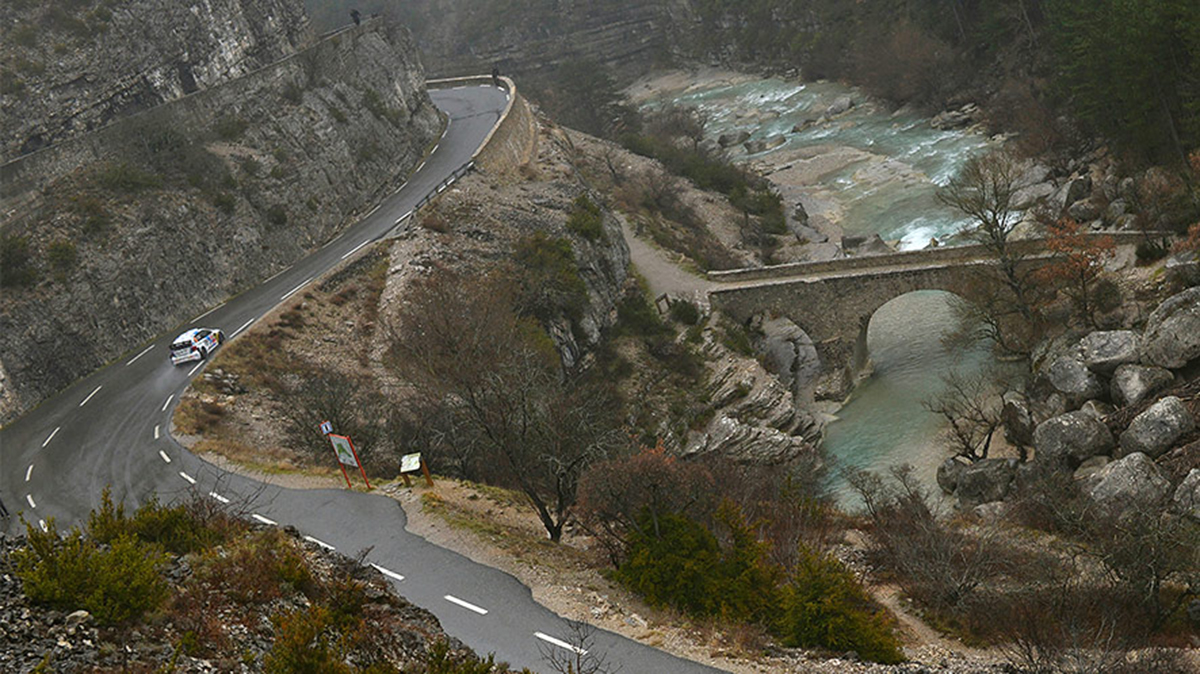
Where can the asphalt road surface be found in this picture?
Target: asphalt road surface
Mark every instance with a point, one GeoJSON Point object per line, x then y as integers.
{"type": "Point", "coordinates": [112, 429]}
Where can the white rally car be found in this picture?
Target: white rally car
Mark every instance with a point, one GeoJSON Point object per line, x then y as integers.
{"type": "Point", "coordinates": [195, 344]}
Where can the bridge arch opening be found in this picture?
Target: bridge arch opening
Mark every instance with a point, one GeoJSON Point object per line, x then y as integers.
{"type": "Point", "coordinates": [885, 423]}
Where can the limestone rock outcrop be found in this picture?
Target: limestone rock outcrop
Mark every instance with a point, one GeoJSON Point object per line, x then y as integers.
{"type": "Point", "coordinates": [1186, 500]}
{"type": "Point", "coordinates": [1131, 384]}
{"type": "Point", "coordinates": [1065, 441]}
{"type": "Point", "coordinates": [1105, 351]}
{"type": "Point", "coordinates": [1172, 335]}
{"type": "Point", "coordinates": [1155, 431]}
{"type": "Point", "coordinates": [1133, 481]}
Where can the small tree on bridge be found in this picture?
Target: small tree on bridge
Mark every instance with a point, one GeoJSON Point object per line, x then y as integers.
{"type": "Point", "coordinates": [1078, 261]}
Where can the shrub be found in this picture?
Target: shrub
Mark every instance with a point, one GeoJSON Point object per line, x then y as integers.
{"type": "Point", "coordinates": [62, 258]}
{"type": "Point", "coordinates": [303, 644]}
{"type": "Point", "coordinates": [375, 104]}
{"type": "Point", "coordinates": [256, 569]}
{"type": "Point", "coordinates": [124, 177]}
{"type": "Point", "coordinates": [685, 312]}
{"type": "Point", "coordinates": [250, 166]}
{"type": "Point", "coordinates": [636, 316]}
{"type": "Point", "coordinates": [1149, 251]}
{"type": "Point", "coordinates": [585, 219]}
{"type": "Point", "coordinates": [225, 202]}
{"type": "Point", "coordinates": [16, 264]}
{"type": "Point", "coordinates": [548, 278]}
{"type": "Point", "coordinates": [95, 217]}
{"type": "Point", "coordinates": [277, 215]}
{"type": "Point", "coordinates": [174, 528]}
{"type": "Point", "coordinates": [824, 606]}
{"type": "Point", "coordinates": [292, 93]}
{"type": "Point", "coordinates": [116, 585]}
{"type": "Point", "coordinates": [230, 127]}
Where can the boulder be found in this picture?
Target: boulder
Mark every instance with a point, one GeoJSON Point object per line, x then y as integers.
{"type": "Point", "coordinates": [1073, 380]}
{"type": "Point", "coordinates": [1155, 431]}
{"type": "Point", "coordinates": [948, 473]}
{"type": "Point", "coordinates": [1104, 351]}
{"type": "Point", "coordinates": [788, 353]}
{"type": "Point", "coordinates": [1131, 384]}
{"type": "Point", "coordinates": [1084, 210]}
{"type": "Point", "coordinates": [1187, 496]}
{"type": "Point", "coordinates": [1077, 189]}
{"type": "Point", "coordinates": [1028, 197]}
{"type": "Point", "coordinates": [1091, 467]}
{"type": "Point", "coordinates": [1017, 420]}
{"type": "Point", "coordinates": [1127, 188]}
{"type": "Point", "coordinates": [1067, 440]}
{"type": "Point", "coordinates": [985, 481]}
{"type": "Point", "coordinates": [1098, 409]}
{"type": "Point", "coordinates": [733, 138]}
{"type": "Point", "coordinates": [1116, 209]}
{"type": "Point", "coordinates": [1172, 335]}
{"type": "Point", "coordinates": [839, 105]}
{"type": "Point", "coordinates": [764, 144]}
{"type": "Point", "coordinates": [799, 214]}
{"type": "Point", "coordinates": [1131, 481]}
{"type": "Point", "coordinates": [866, 245]}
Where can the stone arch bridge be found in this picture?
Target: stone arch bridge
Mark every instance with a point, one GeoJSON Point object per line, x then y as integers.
{"type": "Point", "coordinates": [833, 301]}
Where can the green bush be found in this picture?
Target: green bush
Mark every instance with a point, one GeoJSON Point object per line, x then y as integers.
{"type": "Point", "coordinates": [304, 645]}
{"type": "Point", "coordinates": [117, 584]}
{"type": "Point", "coordinates": [548, 278]}
{"type": "Point", "coordinates": [62, 258]}
{"type": "Point", "coordinates": [225, 202]}
{"type": "Point", "coordinates": [230, 127]}
{"type": "Point", "coordinates": [636, 316]}
{"type": "Point", "coordinates": [16, 262]}
{"type": "Point", "coordinates": [95, 216]}
{"type": "Point", "coordinates": [685, 312]}
{"type": "Point", "coordinates": [124, 177]}
{"type": "Point", "coordinates": [585, 219]}
{"type": "Point", "coordinates": [824, 606]}
{"type": "Point", "coordinates": [292, 93]}
{"type": "Point", "coordinates": [174, 528]}
{"type": "Point", "coordinates": [277, 215]}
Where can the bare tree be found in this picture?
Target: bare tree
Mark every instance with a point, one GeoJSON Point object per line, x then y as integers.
{"type": "Point", "coordinates": [578, 655]}
{"type": "Point", "coordinates": [971, 407]}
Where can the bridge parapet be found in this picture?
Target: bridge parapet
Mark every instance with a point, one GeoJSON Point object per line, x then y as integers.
{"type": "Point", "coordinates": [926, 256]}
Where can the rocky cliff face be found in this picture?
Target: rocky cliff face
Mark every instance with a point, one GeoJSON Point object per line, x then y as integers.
{"type": "Point", "coordinates": [71, 67]}
{"type": "Point", "coordinates": [130, 230]}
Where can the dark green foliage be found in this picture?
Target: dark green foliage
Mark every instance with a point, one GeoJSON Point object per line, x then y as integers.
{"type": "Point", "coordinates": [277, 215]}
{"type": "Point", "coordinates": [16, 263]}
{"type": "Point", "coordinates": [548, 279]}
{"type": "Point", "coordinates": [1149, 250]}
{"type": "Point", "coordinates": [824, 606]}
{"type": "Point", "coordinates": [230, 127]}
{"type": "Point", "coordinates": [10, 83]}
{"type": "Point", "coordinates": [685, 312]}
{"type": "Point", "coordinates": [1107, 294]}
{"type": "Point", "coordinates": [95, 217]}
{"type": "Point", "coordinates": [585, 219]}
{"type": "Point", "coordinates": [225, 202]}
{"type": "Point", "coordinates": [125, 177]}
{"type": "Point", "coordinates": [117, 584]}
{"type": "Point", "coordinates": [636, 316]}
{"type": "Point", "coordinates": [173, 528]}
{"type": "Point", "coordinates": [292, 93]}
{"type": "Point", "coordinates": [62, 258]}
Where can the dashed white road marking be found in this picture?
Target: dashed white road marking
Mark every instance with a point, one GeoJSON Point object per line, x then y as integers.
{"type": "Point", "coordinates": [264, 520]}
{"type": "Point", "coordinates": [319, 542]}
{"type": "Point", "coordinates": [293, 291]}
{"type": "Point", "coordinates": [29, 497]}
{"type": "Point", "coordinates": [465, 604]}
{"type": "Point", "coordinates": [189, 478]}
{"type": "Point", "coordinates": [42, 524]}
{"type": "Point", "coordinates": [560, 643]}
{"type": "Point", "coordinates": [51, 436]}
{"type": "Point", "coordinates": [218, 497]}
{"type": "Point", "coordinates": [387, 572]}
{"type": "Point", "coordinates": [372, 211]}
{"type": "Point", "coordinates": [156, 432]}
{"type": "Point", "coordinates": [85, 400]}
{"type": "Point", "coordinates": [419, 167]}
{"type": "Point", "coordinates": [169, 398]}
{"type": "Point", "coordinates": [164, 456]}
{"type": "Point", "coordinates": [404, 217]}
{"type": "Point", "coordinates": [435, 148]}
{"type": "Point", "coordinates": [28, 472]}
{"type": "Point", "coordinates": [197, 367]}
{"type": "Point", "coordinates": [272, 278]}
{"type": "Point", "coordinates": [244, 326]}
{"type": "Point", "coordinates": [359, 246]}
{"type": "Point", "coordinates": [144, 352]}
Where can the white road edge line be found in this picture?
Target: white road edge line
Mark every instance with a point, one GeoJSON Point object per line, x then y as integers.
{"type": "Point", "coordinates": [164, 456]}
{"type": "Point", "coordinates": [560, 643]}
{"type": "Point", "coordinates": [264, 520]}
{"type": "Point", "coordinates": [272, 278]}
{"type": "Point", "coordinates": [387, 572]}
{"type": "Point", "coordinates": [405, 216]}
{"type": "Point", "coordinates": [156, 431]}
{"type": "Point", "coordinates": [372, 211]}
{"type": "Point", "coordinates": [144, 352]}
{"type": "Point", "coordinates": [28, 472]}
{"type": "Point", "coordinates": [244, 326]}
{"type": "Point", "coordinates": [29, 497]}
{"type": "Point", "coordinates": [465, 604]}
{"type": "Point", "coordinates": [319, 542]}
{"type": "Point", "coordinates": [217, 496]}
{"type": "Point", "coordinates": [193, 370]}
{"type": "Point", "coordinates": [293, 291]}
{"type": "Point", "coordinates": [356, 248]}
{"type": "Point", "coordinates": [435, 149]}
{"type": "Point", "coordinates": [189, 478]}
{"type": "Point", "coordinates": [85, 400]}
{"type": "Point", "coordinates": [42, 524]}
{"type": "Point", "coordinates": [169, 398]}
{"type": "Point", "coordinates": [51, 436]}
{"type": "Point", "coordinates": [419, 167]}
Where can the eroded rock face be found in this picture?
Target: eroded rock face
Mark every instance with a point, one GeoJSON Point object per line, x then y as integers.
{"type": "Point", "coordinates": [750, 443]}
{"type": "Point", "coordinates": [1105, 351]}
{"type": "Point", "coordinates": [1017, 420]}
{"type": "Point", "coordinates": [948, 473]}
{"type": "Point", "coordinates": [1069, 439]}
{"type": "Point", "coordinates": [1133, 481]}
{"type": "Point", "coordinates": [1172, 335]}
{"type": "Point", "coordinates": [789, 354]}
{"type": "Point", "coordinates": [1131, 384]}
{"type": "Point", "coordinates": [1155, 431]}
{"type": "Point", "coordinates": [1073, 380]}
{"type": "Point", "coordinates": [1187, 496]}
{"type": "Point", "coordinates": [985, 481]}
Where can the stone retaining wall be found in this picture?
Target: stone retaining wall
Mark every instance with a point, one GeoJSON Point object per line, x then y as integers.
{"type": "Point", "coordinates": [513, 141]}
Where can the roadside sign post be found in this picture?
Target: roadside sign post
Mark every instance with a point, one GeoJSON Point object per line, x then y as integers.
{"type": "Point", "coordinates": [411, 463]}
{"type": "Point", "coordinates": [347, 456]}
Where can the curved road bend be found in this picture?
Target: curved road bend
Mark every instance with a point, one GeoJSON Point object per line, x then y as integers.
{"type": "Point", "coordinates": [112, 428]}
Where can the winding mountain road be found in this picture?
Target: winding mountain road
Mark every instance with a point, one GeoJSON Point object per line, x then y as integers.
{"type": "Point", "coordinates": [112, 429]}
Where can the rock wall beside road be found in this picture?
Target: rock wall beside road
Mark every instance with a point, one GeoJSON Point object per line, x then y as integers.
{"type": "Point", "coordinates": [173, 210]}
